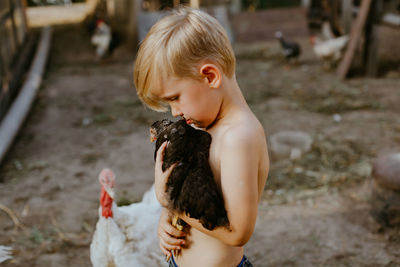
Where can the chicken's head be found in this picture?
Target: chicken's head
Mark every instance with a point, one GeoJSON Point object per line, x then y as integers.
{"type": "Point", "coordinates": [278, 35]}
{"type": "Point", "coordinates": [153, 135]}
{"type": "Point", "coordinates": [313, 40]}
{"type": "Point", "coordinates": [107, 180]}
{"type": "Point", "coordinates": [158, 127]}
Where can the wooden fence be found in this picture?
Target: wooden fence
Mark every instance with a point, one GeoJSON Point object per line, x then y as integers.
{"type": "Point", "coordinates": [13, 39]}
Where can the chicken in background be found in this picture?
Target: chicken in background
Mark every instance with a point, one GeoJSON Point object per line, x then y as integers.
{"type": "Point", "coordinates": [5, 253]}
{"type": "Point", "coordinates": [291, 50]}
{"type": "Point", "coordinates": [125, 236]}
{"type": "Point", "coordinates": [327, 46]}
{"type": "Point", "coordinates": [104, 39]}
{"type": "Point", "coordinates": [330, 51]}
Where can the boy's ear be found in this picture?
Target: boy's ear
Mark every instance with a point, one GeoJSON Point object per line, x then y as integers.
{"type": "Point", "coordinates": [212, 75]}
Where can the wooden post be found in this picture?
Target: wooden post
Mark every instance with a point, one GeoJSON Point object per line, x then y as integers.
{"type": "Point", "coordinates": [236, 6]}
{"type": "Point", "coordinates": [355, 35]}
{"type": "Point", "coordinates": [110, 8]}
{"type": "Point", "coordinates": [91, 6]}
{"type": "Point", "coordinates": [195, 3]}
{"type": "Point", "coordinates": [371, 39]}
{"type": "Point", "coordinates": [305, 3]}
{"type": "Point", "coordinates": [132, 24]}
{"type": "Point", "coordinates": [347, 15]}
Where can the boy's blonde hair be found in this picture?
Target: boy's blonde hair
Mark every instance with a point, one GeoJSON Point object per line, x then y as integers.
{"type": "Point", "coordinates": [176, 45]}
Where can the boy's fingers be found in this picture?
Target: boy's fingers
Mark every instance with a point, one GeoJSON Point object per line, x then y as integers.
{"type": "Point", "coordinates": [172, 231]}
{"type": "Point", "coordinates": [171, 235]}
{"type": "Point", "coordinates": [170, 169]}
{"type": "Point", "coordinates": [167, 246]}
{"type": "Point", "coordinates": [166, 252]}
{"type": "Point", "coordinates": [160, 152]}
{"type": "Point", "coordinates": [170, 239]}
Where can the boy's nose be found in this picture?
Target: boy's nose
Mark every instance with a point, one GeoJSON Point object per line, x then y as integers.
{"type": "Point", "coordinates": [176, 112]}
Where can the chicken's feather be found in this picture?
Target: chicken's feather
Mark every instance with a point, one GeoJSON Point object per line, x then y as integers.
{"type": "Point", "coordinates": [5, 253]}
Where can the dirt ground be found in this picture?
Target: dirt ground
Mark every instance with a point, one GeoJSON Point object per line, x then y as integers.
{"type": "Point", "coordinates": [315, 209]}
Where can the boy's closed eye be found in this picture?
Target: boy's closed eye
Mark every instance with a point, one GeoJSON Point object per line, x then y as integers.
{"type": "Point", "coordinates": [172, 98]}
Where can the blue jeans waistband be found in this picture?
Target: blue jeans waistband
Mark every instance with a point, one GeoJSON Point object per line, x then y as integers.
{"type": "Point", "coordinates": [243, 263]}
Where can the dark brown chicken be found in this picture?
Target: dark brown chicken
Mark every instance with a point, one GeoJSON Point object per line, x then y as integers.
{"type": "Point", "coordinates": [191, 186]}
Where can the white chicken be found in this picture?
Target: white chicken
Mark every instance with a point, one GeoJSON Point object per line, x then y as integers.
{"type": "Point", "coordinates": [5, 253]}
{"type": "Point", "coordinates": [329, 50]}
{"type": "Point", "coordinates": [101, 38]}
{"type": "Point", "coordinates": [125, 236]}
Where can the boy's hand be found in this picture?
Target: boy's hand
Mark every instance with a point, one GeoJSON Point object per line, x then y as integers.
{"type": "Point", "coordinates": [170, 237]}
{"type": "Point", "coordinates": [161, 177]}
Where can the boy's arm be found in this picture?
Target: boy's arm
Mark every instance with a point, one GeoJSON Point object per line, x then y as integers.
{"type": "Point", "coordinates": [239, 182]}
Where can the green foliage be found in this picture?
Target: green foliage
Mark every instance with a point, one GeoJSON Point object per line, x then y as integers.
{"type": "Point", "coordinates": [36, 235]}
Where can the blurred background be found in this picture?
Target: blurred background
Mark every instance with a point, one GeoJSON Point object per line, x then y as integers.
{"type": "Point", "coordinates": [322, 76]}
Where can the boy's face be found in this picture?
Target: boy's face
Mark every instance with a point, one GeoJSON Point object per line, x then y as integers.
{"type": "Point", "coordinates": [191, 99]}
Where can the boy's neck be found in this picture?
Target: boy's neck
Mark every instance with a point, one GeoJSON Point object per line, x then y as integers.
{"type": "Point", "coordinates": [232, 101]}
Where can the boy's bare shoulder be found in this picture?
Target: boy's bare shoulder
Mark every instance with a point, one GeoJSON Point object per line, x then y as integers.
{"type": "Point", "coordinates": [248, 132]}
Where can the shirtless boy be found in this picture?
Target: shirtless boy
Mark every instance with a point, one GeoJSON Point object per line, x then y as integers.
{"type": "Point", "coordinates": [186, 62]}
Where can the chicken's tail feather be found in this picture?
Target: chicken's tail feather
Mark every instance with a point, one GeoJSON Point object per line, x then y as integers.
{"type": "Point", "coordinates": [5, 253]}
